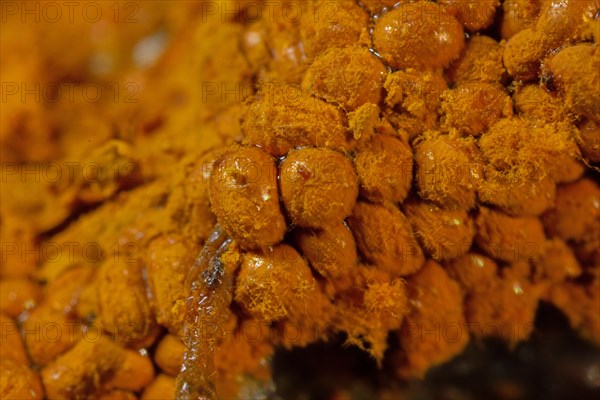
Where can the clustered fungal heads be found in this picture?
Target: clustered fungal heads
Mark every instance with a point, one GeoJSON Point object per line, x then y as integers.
{"type": "Point", "coordinates": [397, 174]}
{"type": "Point", "coordinates": [309, 196]}
{"type": "Point", "coordinates": [398, 148]}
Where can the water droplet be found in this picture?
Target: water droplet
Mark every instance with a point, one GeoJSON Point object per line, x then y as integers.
{"type": "Point", "coordinates": [517, 288]}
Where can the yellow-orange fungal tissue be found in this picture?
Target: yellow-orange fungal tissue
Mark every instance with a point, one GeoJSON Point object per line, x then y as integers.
{"type": "Point", "coordinates": [282, 117]}
{"type": "Point", "coordinates": [385, 169]}
{"type": "Point", "coordinates": [405, 176]}
{"type": "Point", "coordinates": [318, 187]}
{"type": "Point", "coordinates": [443, 234]}
{"type": "Point", "coordinates": [245, 197]}
{"type": "Point", "coordinates": [402, 36]}
{"type": "Point", "coordinates": [448, 170]}
{"type": "Point", "coordinates": [435, 307]}
{"type": "Point", "coordinates": [480, 61]}
{"type": "Point", "coordinates": [349, 77]}
{"type": "Point", "coordinates": [384, 237]}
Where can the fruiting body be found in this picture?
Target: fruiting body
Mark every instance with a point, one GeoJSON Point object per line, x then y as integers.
{"type": "Point", "coordinates": [245, 197]}
{"type": "Point", "coordinates": [418, 35]}
{"type": "Point", "coordinates": [384, 237]}
{"type": "Point", "coordinates": [318, 187]}
{"type": "Point", "coordinates": [385, 169]}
